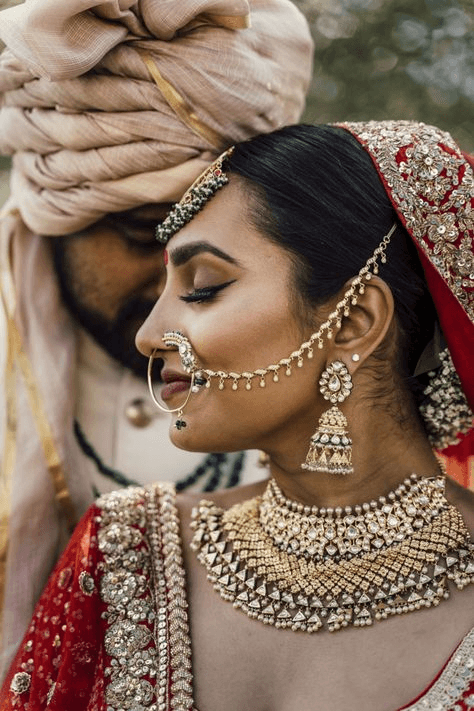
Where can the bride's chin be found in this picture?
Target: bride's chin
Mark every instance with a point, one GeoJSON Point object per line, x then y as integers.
{"type": "Point", "coordinates": [190, 441]}
{"type": "Point", "coordinates": [194, 441]}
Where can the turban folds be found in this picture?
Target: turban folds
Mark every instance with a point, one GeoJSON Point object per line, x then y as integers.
{"type": "Point", "coordinates": [109, 105]}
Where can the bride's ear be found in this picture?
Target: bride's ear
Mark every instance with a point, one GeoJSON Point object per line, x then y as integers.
{"type": "Point", "coordinates": [367, 324]}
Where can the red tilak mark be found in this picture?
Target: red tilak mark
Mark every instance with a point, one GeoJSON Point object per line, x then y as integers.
{"type": "Point", "coordinates": [165, 257]}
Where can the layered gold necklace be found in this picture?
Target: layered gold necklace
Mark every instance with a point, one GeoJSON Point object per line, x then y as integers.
{"type": "Point", "coordinates": [308, 568]}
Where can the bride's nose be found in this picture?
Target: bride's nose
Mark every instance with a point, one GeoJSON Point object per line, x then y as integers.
{"type": "Point", "coordinates": [149, 338]}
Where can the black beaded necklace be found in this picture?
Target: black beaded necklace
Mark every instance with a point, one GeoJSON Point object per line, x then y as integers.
{"type": "Point", "coordinates": [217, 471]}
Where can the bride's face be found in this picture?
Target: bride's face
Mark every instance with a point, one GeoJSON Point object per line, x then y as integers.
{"type": "Point", "coordinates": [229, 291]}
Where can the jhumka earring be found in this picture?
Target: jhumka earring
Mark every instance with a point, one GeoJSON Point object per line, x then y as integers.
{"type": "Point", "coordinates": [330, 450]}
{"type": "Point", "coordinates": [188, 361]}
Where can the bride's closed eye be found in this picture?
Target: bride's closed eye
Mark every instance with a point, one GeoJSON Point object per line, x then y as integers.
{"type": "Point", "coordinates": [205, 293]}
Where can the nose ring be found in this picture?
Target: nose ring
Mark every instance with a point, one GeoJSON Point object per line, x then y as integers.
{"type": "Point", "coordinates": [178, 340]}
{"type": "Point", "coordinates": [152, 391]}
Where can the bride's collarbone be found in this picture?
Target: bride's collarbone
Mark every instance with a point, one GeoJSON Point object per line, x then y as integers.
{"type": "Point", "coordinates": [378, 668]}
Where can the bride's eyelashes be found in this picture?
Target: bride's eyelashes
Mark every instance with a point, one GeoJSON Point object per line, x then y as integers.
{"type": "Point", "coordinates": [205, 293]}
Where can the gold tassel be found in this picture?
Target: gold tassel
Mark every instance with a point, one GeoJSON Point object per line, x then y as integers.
{"type": "Point", "coordinates": [330, 449]}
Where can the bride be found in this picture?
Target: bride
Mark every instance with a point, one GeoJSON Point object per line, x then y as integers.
{"type": "Point", "coordinates": [319, 307]}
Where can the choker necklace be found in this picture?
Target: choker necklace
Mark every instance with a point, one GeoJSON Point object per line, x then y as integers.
{"type": "Point", "coordinates": [309, 568]}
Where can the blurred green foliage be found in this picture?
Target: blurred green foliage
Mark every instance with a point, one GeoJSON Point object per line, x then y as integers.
{"type": "Point", "coordinates": [394, 59]}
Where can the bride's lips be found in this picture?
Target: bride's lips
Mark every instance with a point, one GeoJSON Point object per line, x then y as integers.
{"type": "Point", "coordinates": [174, 383]}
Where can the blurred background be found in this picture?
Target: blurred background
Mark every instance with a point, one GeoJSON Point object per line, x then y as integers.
{"type": "Point", "coordinates": [398, 59]}
{"type": "Point", "coordinates": [385, 59]}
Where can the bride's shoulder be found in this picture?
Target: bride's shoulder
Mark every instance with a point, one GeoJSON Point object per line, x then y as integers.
{"type": "Point", "coordinates": [135, 495]}
{"type": "Point", "coordinates": [135, 505]}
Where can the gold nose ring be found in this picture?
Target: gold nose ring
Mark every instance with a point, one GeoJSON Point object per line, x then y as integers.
{"type": "Point", "coordinates": [152, 391]}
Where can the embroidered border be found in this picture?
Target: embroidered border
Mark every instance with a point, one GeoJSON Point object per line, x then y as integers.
{"type": "Point", "coordinates": [143, 585]}
{"type": "Point", "coordinates": [172, 629]}
{"type": "Point", "coordinates": [430, 183]}
{"type": "Point", "coordinates": [453, 683]}
{"type": "Point", "coordinates": [125, 590]}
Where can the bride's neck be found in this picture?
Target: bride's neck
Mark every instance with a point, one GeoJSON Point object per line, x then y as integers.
{"type": "Point", "coordinates": [385, 452]}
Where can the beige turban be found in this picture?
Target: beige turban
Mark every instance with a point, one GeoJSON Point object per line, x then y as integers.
{"type": "Point", "coordinates": [106, 105]}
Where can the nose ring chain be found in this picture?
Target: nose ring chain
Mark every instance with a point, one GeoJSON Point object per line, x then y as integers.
{"type": "Point", "coordinates": [200, 377]}
{"type": "Point", "coordinates": [285, 365]}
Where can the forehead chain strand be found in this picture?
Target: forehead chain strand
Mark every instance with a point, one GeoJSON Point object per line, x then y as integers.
{"type": "Point", "coordinates": [334, 320]}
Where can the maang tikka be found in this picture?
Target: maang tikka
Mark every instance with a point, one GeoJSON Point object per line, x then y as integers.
{"type": "Point", "coordinates": [330, 449]}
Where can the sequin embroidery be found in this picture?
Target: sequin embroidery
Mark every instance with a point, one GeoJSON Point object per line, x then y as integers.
{"type": "Point", "coordinates": [124, 581]}
{"type": "Point", "coordinates": [86, 583]}
{"type": "Point", "coordinates": [20, 683]}
{"type": "Point", "coordinates": [453, 684]}
{"type": "Point", "coordinates": [143, 587]}
{"type": "Point", "coordinates": [429, 182]}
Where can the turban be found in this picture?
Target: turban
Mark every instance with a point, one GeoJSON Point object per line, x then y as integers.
{"type": "Point", "coordinates": [107, 105]}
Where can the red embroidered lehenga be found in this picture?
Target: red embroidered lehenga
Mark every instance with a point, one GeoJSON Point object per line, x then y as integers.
{"type": "Point", "coordinates": [111, 632]}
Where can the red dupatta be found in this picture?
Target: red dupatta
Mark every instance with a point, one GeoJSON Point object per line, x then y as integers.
{"type": "Point", "coordinates": [430, 183]}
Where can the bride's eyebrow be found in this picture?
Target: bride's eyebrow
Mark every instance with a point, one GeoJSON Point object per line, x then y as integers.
{"type": "Point", "coordinates": [181, 255]}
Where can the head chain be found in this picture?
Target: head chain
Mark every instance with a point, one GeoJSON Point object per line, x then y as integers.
{"type": "Point", "coordinates": [444, 423]}
{"type": "Point", "coordinates": [334, 320]}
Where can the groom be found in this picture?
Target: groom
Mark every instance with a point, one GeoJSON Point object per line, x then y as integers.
{"type": "Point", "coordinates": [110, 111]}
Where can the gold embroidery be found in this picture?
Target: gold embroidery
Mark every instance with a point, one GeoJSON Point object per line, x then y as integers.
{"type": "Point", "coordinates": [180, 106]}
{"type": "Point", "coordinates": [143, 586]}
{"type": "Point", "coordinates": [431, 184]}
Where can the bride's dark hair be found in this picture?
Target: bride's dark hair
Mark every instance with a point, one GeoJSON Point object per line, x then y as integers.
{"type": "Point", "coordinates": [315, 191]}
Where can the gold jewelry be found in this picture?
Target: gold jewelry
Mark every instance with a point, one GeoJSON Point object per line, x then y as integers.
{"type": "Point", "coordinates": [194, 199]}
{"type": "Point", "coordinates": [330, 534]}
{"type": "Point", "coordinates": [180, 423]}
{"type": "Point", "coordinates": [304, 568]}
{"type": "Point", "coordinates": [445, 410]}
{"type": "Point", "coordinates": [335, 422]}
{"type": "Point", "coordinates": [330, 449]}
{"type": "Point", "coordinates": [203, 188]}
{"type": "Point", "coordinates": [178, 340]}
{"type": "Point", "coordinates": [334, 320]}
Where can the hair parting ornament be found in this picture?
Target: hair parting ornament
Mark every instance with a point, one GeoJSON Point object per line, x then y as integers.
{"type": "Point", "coordinates": [193, 201]}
